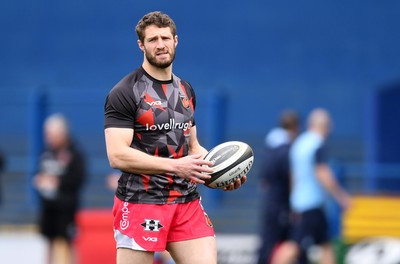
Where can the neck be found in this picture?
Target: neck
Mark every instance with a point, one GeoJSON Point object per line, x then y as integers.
{"type": "Point", "coordinates": [320, 131]}
{"type": "Point", "coordinates": [158, 73]}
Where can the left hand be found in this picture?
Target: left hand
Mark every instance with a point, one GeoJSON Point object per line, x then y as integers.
{"type": "Point", "coordinates": [236, 184]}
{"type": "Point", "coordinates": [44, 181]}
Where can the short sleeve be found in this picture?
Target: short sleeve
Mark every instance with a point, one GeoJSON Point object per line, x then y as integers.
{"type": "Point", "coordinates": [321, 155]}
{"type": "Point", "coordinates": [119, 108]}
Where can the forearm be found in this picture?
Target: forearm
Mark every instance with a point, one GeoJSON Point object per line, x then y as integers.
{"type": "Point", "coordinates": [198, 149]}
{"type": "Point", "coordinates": [195, 147]}
{"type": "Point", "coordinates": [328, 180]}
{"type": "Point", "coordinates": [121, 156]}
{"type": "Point", "coordinates": [136, 161]}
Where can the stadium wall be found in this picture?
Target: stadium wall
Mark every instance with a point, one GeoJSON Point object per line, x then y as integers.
{"type": "Point", "coordinates": [263, 56]}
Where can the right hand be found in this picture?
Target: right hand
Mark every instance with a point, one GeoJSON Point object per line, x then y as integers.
{"type": "Point", "coordinates": [193, 167]}
{"type": "Point", "coordinates": [344, 200]}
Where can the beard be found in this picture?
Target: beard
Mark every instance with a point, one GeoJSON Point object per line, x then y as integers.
{"type": "Point", "coordinates": [162, 64]}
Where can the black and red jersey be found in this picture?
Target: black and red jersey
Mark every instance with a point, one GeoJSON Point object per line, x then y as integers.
{"type": "Point", "coordinates": [161, 113]}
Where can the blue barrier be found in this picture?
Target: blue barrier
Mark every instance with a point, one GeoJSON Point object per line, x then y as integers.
{"type": "Point", "coordinates": [37, 113]}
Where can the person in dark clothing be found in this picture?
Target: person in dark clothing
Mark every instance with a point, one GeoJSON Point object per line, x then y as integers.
{"type": "Point", "coordinates": [59, 181]}
{"type": "Point", "coordinates": [275, 181]}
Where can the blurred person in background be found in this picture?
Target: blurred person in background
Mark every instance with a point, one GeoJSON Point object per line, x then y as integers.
{"type": "Point", "coordinates": [275, 182]}
{"type": "Point", "coordinates": [60, 178]}
{"type": "Point", "coordinates": [311, 178]}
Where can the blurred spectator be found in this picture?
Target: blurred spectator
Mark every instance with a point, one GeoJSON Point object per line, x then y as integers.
{"type": "Point", "coordinates": [275, 181]}
{"type": "Point", "coordinates": [311, 177]}
{"type": "Point", "coordinates": [59, 180]}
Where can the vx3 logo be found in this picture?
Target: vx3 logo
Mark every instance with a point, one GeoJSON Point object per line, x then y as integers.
{"type": "Point", "coordinates": [154, 103]}
{"type": "Point", "coordinates": [150, 239]}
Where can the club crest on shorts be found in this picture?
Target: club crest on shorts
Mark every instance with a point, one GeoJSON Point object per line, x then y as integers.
{"type": "Point", "coordinates": [185, 100]}
{"type": "Point", "coordinates": [151, 225]}
{"type": "Point", "coordinates": [208, 220]}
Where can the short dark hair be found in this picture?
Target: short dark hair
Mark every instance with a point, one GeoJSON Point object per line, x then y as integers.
{"type": "Point", "coordinates": [156, 18]}
{"type": "Point", "coordinates": [289, 120]}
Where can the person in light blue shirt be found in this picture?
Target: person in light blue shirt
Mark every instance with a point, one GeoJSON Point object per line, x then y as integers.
{"type": "Point", "coordinates": [307, 191]}
{"type": "Point", "coordinates": [311, 181]}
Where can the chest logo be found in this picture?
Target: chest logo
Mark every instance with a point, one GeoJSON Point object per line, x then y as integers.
{"type": "Point", "coordinates": [154, 103]}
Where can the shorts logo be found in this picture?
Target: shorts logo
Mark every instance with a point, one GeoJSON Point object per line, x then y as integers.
{"type": "Point", "coordinates": [208, 220]}
{"type": "Point", "coordinates": [151, 239]}
{"type": "Point", "coordinates": [151, 225]}
{"type": "Point", "coordinates": [124, 223]}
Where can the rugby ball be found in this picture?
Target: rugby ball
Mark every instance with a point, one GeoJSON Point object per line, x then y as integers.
{"type": "Point", "coordinates": [232, 160]}
{"type": "Point", "coordinates": [382, 250]}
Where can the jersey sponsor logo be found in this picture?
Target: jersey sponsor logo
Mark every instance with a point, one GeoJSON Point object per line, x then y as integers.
{"type": "Point", "coordinates": [152, 225]}
{"type": "Point", "coordinates": [150, 239]}
{"type": "Point", "coordinates": [154, 103]}
{"type": "Point", "coordinates": [172, 124]}
{"type": "Point", "coordinates": [124, 223]}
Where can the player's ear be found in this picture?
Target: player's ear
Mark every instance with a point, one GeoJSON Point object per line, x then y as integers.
{"type": "Point", "coordinates": [140, 44]}
{"type": "Point", "coordinates": [176, 40]}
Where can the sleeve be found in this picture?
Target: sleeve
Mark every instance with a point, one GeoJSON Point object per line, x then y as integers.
{"type": "Point", "coordinates": [119, 108]}
{"type": "Point", "coordinates": [321, 155]}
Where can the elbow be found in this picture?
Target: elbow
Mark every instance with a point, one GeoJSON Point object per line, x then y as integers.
{"type": "Point", "coordinates": [114, 162]}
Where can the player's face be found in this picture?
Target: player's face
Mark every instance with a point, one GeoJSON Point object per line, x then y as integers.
{"type": "Point", "coordinates": [159, 46]}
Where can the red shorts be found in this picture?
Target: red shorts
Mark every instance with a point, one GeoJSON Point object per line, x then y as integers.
{"type": "Point", "coordinates": [149, 227]}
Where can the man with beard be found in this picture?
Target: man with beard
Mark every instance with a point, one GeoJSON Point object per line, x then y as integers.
{"type": "Point", "coordinates": [150, 134]}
